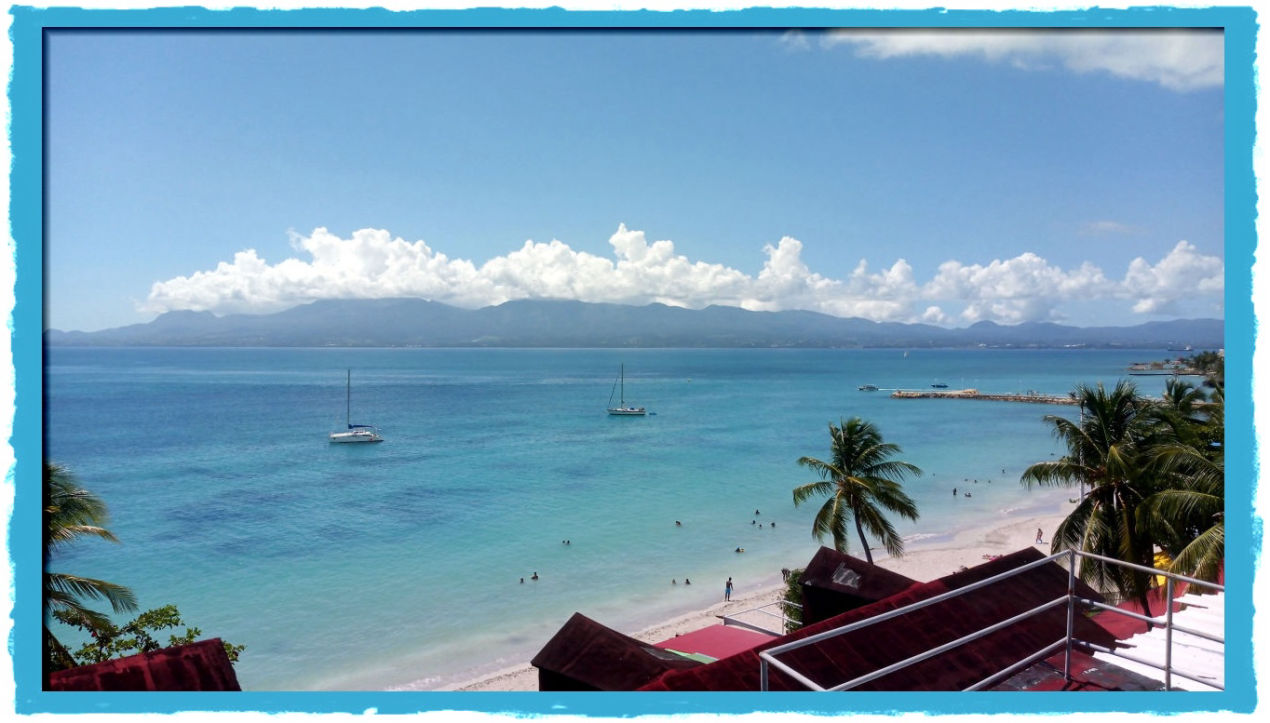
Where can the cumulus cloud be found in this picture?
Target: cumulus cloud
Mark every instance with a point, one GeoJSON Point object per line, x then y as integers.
{"type": "Point", "coordinates": [1181, 274]}
{"type": "Point", "coordinates": [1024, 288]}
{"type": "Point", "coordinates": [374, 264]}
{"type": "Point", "coordinates": [1182, 59]}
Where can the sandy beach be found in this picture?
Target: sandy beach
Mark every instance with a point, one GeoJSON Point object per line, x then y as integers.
{"type": "Point", "coordinates": [920, 562]}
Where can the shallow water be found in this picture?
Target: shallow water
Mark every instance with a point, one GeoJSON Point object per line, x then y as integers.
{"type": "Point", "coordinates": [398, 565]}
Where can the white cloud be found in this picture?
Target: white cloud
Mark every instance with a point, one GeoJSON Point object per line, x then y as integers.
{"type": "Point", "coordinates": [795, 40]}
{"type": "Point", "coordinates": [1024, 288]}
{"type": "Point", "coordinates": [1180, 275]}
{"type": "Point", "coordinates": [935, 315]}
{"type": "Point", "coordinates": [1179, 59]}
{"type": "Point", "coordinates": [373, 264]}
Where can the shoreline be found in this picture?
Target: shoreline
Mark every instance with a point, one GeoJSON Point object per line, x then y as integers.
{"type": "Point", "coordinates": [921, 562]}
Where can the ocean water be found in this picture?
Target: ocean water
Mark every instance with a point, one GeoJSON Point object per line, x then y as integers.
{"type": "Point", "coordinates": [399, 565]}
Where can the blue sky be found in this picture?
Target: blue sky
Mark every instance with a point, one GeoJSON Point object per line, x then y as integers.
{"type": "Point", "coordinates": [946, 177]}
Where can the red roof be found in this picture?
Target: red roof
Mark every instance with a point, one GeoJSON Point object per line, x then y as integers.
{"type": "Point", "coordinates": [585, 655]}
{"type": "Point", "coordinates": [198, 666]}
{"type": "Point", "coordinates": [716, 641]}
{"type": "Point", "coordinates": [845, 657]}
{"type": "Point", "coordinates": [835, 582]}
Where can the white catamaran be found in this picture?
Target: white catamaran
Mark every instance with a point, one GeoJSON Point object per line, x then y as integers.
{"type": "Point", "coordinates": [622, 410]}
{"type": "Point", "coordinates": [354, 432]}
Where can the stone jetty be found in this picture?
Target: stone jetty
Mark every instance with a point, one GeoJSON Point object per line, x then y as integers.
{"type": "Point", "coordinates": [1031, 397]}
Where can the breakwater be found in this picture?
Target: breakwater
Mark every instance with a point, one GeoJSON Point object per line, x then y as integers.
{"type": "Point", "coordinates": [1031, 398]}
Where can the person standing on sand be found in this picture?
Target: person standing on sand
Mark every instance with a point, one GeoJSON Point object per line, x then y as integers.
{"type": "Point", "coordinates": [727, 590]}
{"type": "Point", "coordinates": [1038, 536]}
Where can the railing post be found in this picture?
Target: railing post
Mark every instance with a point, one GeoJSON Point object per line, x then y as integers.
{"type": "Point", "coordinates": [1071, 613]}
{"type": "Point", "coordinates": [762, 674]}
{"type": "Point", "coordinates": [1168, 633]}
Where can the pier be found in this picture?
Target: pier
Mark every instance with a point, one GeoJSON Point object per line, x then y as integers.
{"type": "Point", "coordinates": [1031, 398]}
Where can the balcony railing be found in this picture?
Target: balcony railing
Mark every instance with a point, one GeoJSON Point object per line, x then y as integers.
{"type": "Point", "coordinates": [756, 618]}
{"type": "Point", "coordinates": [1067, 642]}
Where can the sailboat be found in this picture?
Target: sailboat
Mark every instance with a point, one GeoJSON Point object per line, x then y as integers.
{"type": "Point", "coordinates": [354, 432]}
{"type": "Point", "coordinates": [622, 410]}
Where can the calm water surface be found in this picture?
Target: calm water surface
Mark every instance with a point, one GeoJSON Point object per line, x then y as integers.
{"type": "Point", "coordinates": [398, 565]}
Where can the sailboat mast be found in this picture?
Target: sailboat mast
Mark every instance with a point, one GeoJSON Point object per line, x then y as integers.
{"type": "Point", "coordinates": [622, 369]}
{"type": "Point", "coordinates": [348, 400]}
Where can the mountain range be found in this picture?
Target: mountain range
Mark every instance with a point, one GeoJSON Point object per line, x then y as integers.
{"type": "Point", "coordinates": [543, 323]}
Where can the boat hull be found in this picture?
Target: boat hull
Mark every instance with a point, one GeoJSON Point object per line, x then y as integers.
{"type": "Point", "coordinates": [359, 437]}
{"type": "Point", "coordinates": [628, 411]}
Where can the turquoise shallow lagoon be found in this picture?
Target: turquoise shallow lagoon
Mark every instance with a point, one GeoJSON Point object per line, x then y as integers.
{"type": "Point", "coordinates": [398, 565]}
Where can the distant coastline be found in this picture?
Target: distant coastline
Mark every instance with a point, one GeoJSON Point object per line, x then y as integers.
{"type": "Point", "coordinates": [389, 323]}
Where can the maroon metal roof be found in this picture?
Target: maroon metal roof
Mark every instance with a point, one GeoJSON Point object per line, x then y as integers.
{"type": "Point", "coordinates": [585, 655]}
{"type": "Point", "coordinates": [839, 659]}
{"type": "Point", "coordinates": [835, 582]}
{"type": "Point", "coordinates": [198, 666]}
{"type": "Point", "coordinates": [716, 641]}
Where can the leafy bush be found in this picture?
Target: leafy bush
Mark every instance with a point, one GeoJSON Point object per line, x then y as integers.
{"type": "Point", "coordinates": [135, 636]}
{"type": "Point", "coordinates": [791, 603]}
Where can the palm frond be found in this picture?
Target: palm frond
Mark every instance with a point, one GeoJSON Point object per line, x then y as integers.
{"type": "Point", "coordinates": [812, 489]}
{"type": "Point", "coordinates": [121, 599]}
{"type": "Point", "coordinates": [1205, 557]}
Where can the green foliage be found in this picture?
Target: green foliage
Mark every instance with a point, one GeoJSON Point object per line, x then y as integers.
{"type": "Point", "coordinates": [139, 635]}
{"type": "Point", "coordinates": [792, 600]}
{"type": "Point", "coordinates": [1212, 365]}
{"type": "Point", "coordinates": [1187, 513]}
{"type": "Point", "coordinates": [1155, 479]}
{"type": "Point", "coordinates": [861, 482]}
{"type": "Point", "coordinates": [71, 514]}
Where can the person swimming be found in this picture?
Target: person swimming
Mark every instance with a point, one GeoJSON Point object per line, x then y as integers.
{"type": "Point", "coordinates": [534, 576]}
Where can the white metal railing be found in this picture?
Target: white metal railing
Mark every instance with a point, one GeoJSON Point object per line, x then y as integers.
{"type": "Point", "coordinates": [769, 657]}
{"type": "Point", "coordinates": [762, 610]}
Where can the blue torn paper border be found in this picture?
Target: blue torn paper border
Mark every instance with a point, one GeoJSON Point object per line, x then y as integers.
{"type": "Point", "coordinates": [1243, 527]}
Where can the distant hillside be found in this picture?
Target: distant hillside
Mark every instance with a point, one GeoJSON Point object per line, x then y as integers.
{"type": "Point", "coordinates": [415, 322]}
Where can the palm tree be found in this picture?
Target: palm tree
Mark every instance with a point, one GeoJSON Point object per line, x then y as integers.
{"type": "Point", "coordinates": [1189, 517]}
{"type": "Point", "coordinates": [861, 482]}
{"type": "Point", "coordinates": [72, 513]}
{"type": "Point", "coordinates": [1213, 365]}
{"type": "Point", "coordinates": [1105, 450]}
{"type": "Point", "coordinates": [1182, 413]}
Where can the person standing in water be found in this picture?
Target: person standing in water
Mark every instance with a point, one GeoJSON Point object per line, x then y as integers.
{"type": "Point", "coordinates": [727, 590]}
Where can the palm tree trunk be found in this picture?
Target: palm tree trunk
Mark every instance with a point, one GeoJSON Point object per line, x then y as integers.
{"type": "Point", "coordinates": [1141, 581]}
{"type": "Point", "coordinates": [868, 556]}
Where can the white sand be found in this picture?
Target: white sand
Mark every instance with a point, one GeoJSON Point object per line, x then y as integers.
{"type": "Point", "coordinates": [922, 563]}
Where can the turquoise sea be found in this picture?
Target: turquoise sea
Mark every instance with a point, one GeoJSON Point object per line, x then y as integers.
{"type": "Point", "coordinates": [398, 565]}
